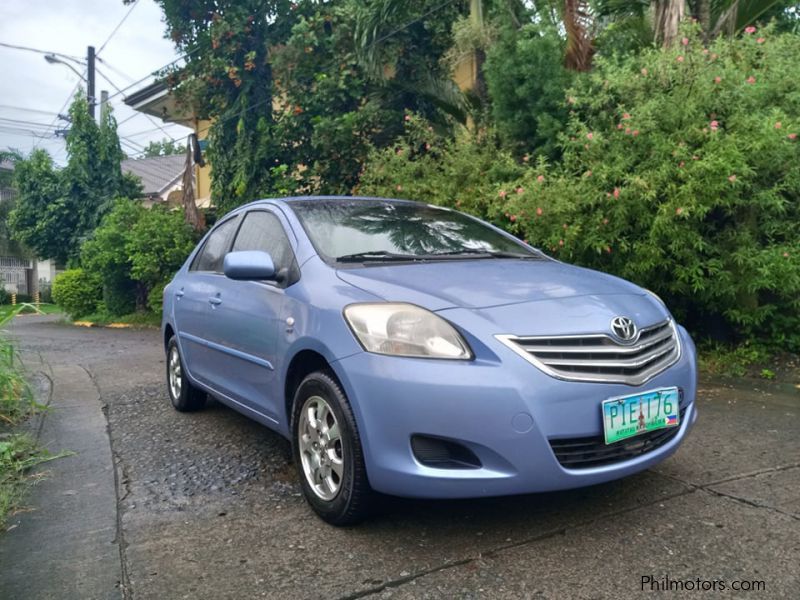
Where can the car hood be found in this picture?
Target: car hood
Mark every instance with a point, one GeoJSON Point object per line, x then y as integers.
{"type": "Point", "coordinates": [483, 283]}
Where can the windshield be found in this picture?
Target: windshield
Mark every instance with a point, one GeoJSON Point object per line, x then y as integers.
{"type": "Point", "coordinates": [386, 230]}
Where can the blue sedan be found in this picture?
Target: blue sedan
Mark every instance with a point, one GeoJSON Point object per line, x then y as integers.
{"type": "Point", "coordinates": [413, 350]}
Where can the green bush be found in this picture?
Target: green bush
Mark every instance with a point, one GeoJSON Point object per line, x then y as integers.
{"type": "Point", "coordinates": [119, 295]}
{"type": "Point", "coordinates": [134, 250]}
{"type": "Point", "coordinates": [680, 171]}
{"type": "Point", "coordinates": [78, 292]}
{"type": "Point", "coordinates": [526, 80]}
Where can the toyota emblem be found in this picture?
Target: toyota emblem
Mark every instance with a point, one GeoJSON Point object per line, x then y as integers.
{"type": "Point", "coordinates": [624, 328]}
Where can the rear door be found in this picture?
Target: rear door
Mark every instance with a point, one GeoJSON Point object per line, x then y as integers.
{"type": "Point", "coordinates": [195, 296]}
{"type": "Point", "coordinates": [246, 322]}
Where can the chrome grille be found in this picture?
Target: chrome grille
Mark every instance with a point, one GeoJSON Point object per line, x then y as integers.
{"type": "Point", "coordinates": [600, 357]}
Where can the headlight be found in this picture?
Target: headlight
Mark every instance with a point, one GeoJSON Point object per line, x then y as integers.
{"type": "Point", "coordinates": [405, 330]}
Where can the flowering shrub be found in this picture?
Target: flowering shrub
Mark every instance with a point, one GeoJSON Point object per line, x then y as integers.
{"type": "Point", "coordinates": [680, 171]}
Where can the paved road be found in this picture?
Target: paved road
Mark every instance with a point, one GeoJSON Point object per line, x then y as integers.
{"type": "Point", "coordinates": [209, 506]}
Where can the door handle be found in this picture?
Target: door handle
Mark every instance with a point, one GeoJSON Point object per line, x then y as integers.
{"type": "Point", "coordinates": [215, 300]}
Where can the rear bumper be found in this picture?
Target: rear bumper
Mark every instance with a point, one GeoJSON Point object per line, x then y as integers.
{"type": "Point", "coordinates": [505, 411]}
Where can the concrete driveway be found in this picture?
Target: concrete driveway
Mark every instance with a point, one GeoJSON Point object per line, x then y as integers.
{"type": "Point", "coordinates": [207, 505]}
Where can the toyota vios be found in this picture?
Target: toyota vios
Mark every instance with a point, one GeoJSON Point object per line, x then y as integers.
{"type": "Point", "coordinates": [417, 351]}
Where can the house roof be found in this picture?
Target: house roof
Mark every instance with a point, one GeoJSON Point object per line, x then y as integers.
{"type": "Point", "coordinates": [158, 173]}
{"type": "Point", "coordinates": [6, 165]}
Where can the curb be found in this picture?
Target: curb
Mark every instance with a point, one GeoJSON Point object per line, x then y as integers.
{"type": "Point", "coordinates": [112, 325]}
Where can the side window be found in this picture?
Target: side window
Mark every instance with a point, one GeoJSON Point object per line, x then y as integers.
{"type": "Point", "coordinates": [210, 256]}
{"type": "Point", "coordinates": [263, 231]}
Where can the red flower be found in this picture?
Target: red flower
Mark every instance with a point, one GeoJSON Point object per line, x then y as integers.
{"type": "Point", "coordinates": [619, 125]}
{"type": "Point", "coordinates": [626, 116]}
{"type": "Point", "coordinates": [749, 29]}
{"type": "Point", "coordinates": [635, 132]}
{"type": "Point", "coordinates": [540, 178]}
{"type": "Point", "coordinates": [680, 58]}
{"type": "Point", "coordinates": [560, 242]}
{"type": "Point", "coordinates": [502, 193]}
{"type": "Point", "coordinates": [589, 135]}
{"type": "Point", "coordinates": [526, 158]}
{"type": "Point", "coordinates": [616, 192]}
{"type": "Point", "coordinates": [792, 136]}
{"type": "Point", "coordinates": [732, 178]}
{"type": "Point", "coordinates": [678, 210]}
{"type": "Point", "coordinates": [751, 80]}
{"type": "Point", "coordinates": [778, 125]}
{"type": "Point", "coordinates": [407, 117]}
{"type": "Point", "coordinates": [714, 125]}
{"type": "Point", "coordinates": [539, 212]}
{"type": "Point", "coordinates": [520, 190]}
{"type": "Point", "coordinates": [627, 131]}
{"type": "Point", "coordinates": [685, 41]}
{"type": "Point", "coordinates": [608, 249]}
{"type": "Point", "coordinates": [761, 40]}
{"type": "Point", "coordinates": [513, 218]}
{"type": "Point", "coordinates": [717, 79]}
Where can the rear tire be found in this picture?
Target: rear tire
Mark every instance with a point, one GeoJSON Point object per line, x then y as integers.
{"type": "Point", "coordinates": [327, 451]}
{"type": "Point", "coordinates": [184, 396]}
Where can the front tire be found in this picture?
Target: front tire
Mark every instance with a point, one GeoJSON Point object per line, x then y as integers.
{"type": "Point", "coordinates": [327, 452]}
{"type": "Point", "coordinates": [184, 396]}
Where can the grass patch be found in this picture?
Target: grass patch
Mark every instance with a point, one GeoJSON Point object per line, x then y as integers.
{"type": "Point", "coordinates": [19, 452]}
{"type": "Point", "coordinates": [28, 308]}
{"type": "Point", "coordinates": [137, 319]}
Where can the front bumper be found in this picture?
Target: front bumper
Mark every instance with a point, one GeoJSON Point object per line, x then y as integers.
{"type": "Point", "coordinates": [504, 410]}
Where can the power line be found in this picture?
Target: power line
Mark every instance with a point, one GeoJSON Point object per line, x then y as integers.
{"type": "Point", "coordinates": [26, 109]}
{"type": "Point", "coordinates": [113, 33]}
{"type": "Point", "coordinates": [149, 75]}
{"type": "Point", "coordinates": [40, 51]}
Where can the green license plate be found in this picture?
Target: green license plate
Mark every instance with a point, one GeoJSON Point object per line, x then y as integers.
{"type": "Point", "coordinates": [627, 416]}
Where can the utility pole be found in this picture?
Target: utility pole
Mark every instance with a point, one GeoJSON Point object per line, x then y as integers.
{"type": "Point", "coordinates": [103, 105]}
{"type": "Point", "coordinates": [90, 80]}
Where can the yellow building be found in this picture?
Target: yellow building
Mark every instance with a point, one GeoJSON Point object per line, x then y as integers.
{"type": "Point", "coordinates": [157, 101]}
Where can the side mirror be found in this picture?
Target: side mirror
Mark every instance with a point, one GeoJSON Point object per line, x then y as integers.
{"type": "Point", "coordinates": [249, 265]}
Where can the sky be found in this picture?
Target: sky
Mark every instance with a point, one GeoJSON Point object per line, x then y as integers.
{"type": "Point", "coordinates": [32, 91]}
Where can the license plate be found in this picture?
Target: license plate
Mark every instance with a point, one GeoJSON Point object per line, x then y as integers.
{"type": "Point", "coordinates": [628, 416]}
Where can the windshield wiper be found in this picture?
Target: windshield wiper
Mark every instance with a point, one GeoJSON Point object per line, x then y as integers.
{"type": "Point", "coordinates": [378, 256]}
{"type": "Point", "coordinates": [476, 253]}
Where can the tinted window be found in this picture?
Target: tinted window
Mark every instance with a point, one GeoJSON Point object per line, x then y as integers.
{"type": "Point", "coordinates": [263, 231]}
{"type": "Point", "coordinates": [340, 228]}
{"type": "Point", "coordinates": [216, 246]}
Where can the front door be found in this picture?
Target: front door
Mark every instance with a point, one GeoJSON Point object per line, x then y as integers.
{"type": "Point", "coordinates": [246, 318]}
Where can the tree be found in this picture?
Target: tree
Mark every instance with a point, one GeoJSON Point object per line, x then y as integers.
{"type": "Point", "coordinates": [292, 108]}
{"type": "Point", "coordinates": [57, 209]}
{"type": "Point", "coordinates": [165, 147]}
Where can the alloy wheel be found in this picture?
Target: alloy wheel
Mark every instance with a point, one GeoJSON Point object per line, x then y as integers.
{"type": "Point", "coordinates": [321, 452]}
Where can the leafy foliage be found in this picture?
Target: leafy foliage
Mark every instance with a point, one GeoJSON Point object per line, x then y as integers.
{"type": "Point", "coordinates": [680, 171]}
{"type": "Point", "coordinates": [526, 81]}
{"type": "Point", "coordinates": [57, 209]}
{"type": "Point", "coordinates": [136, 250]}
{"type": "Point", "coordinates": [165, 147]}
{"type": "Point", "coordinates": [77, 291]}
